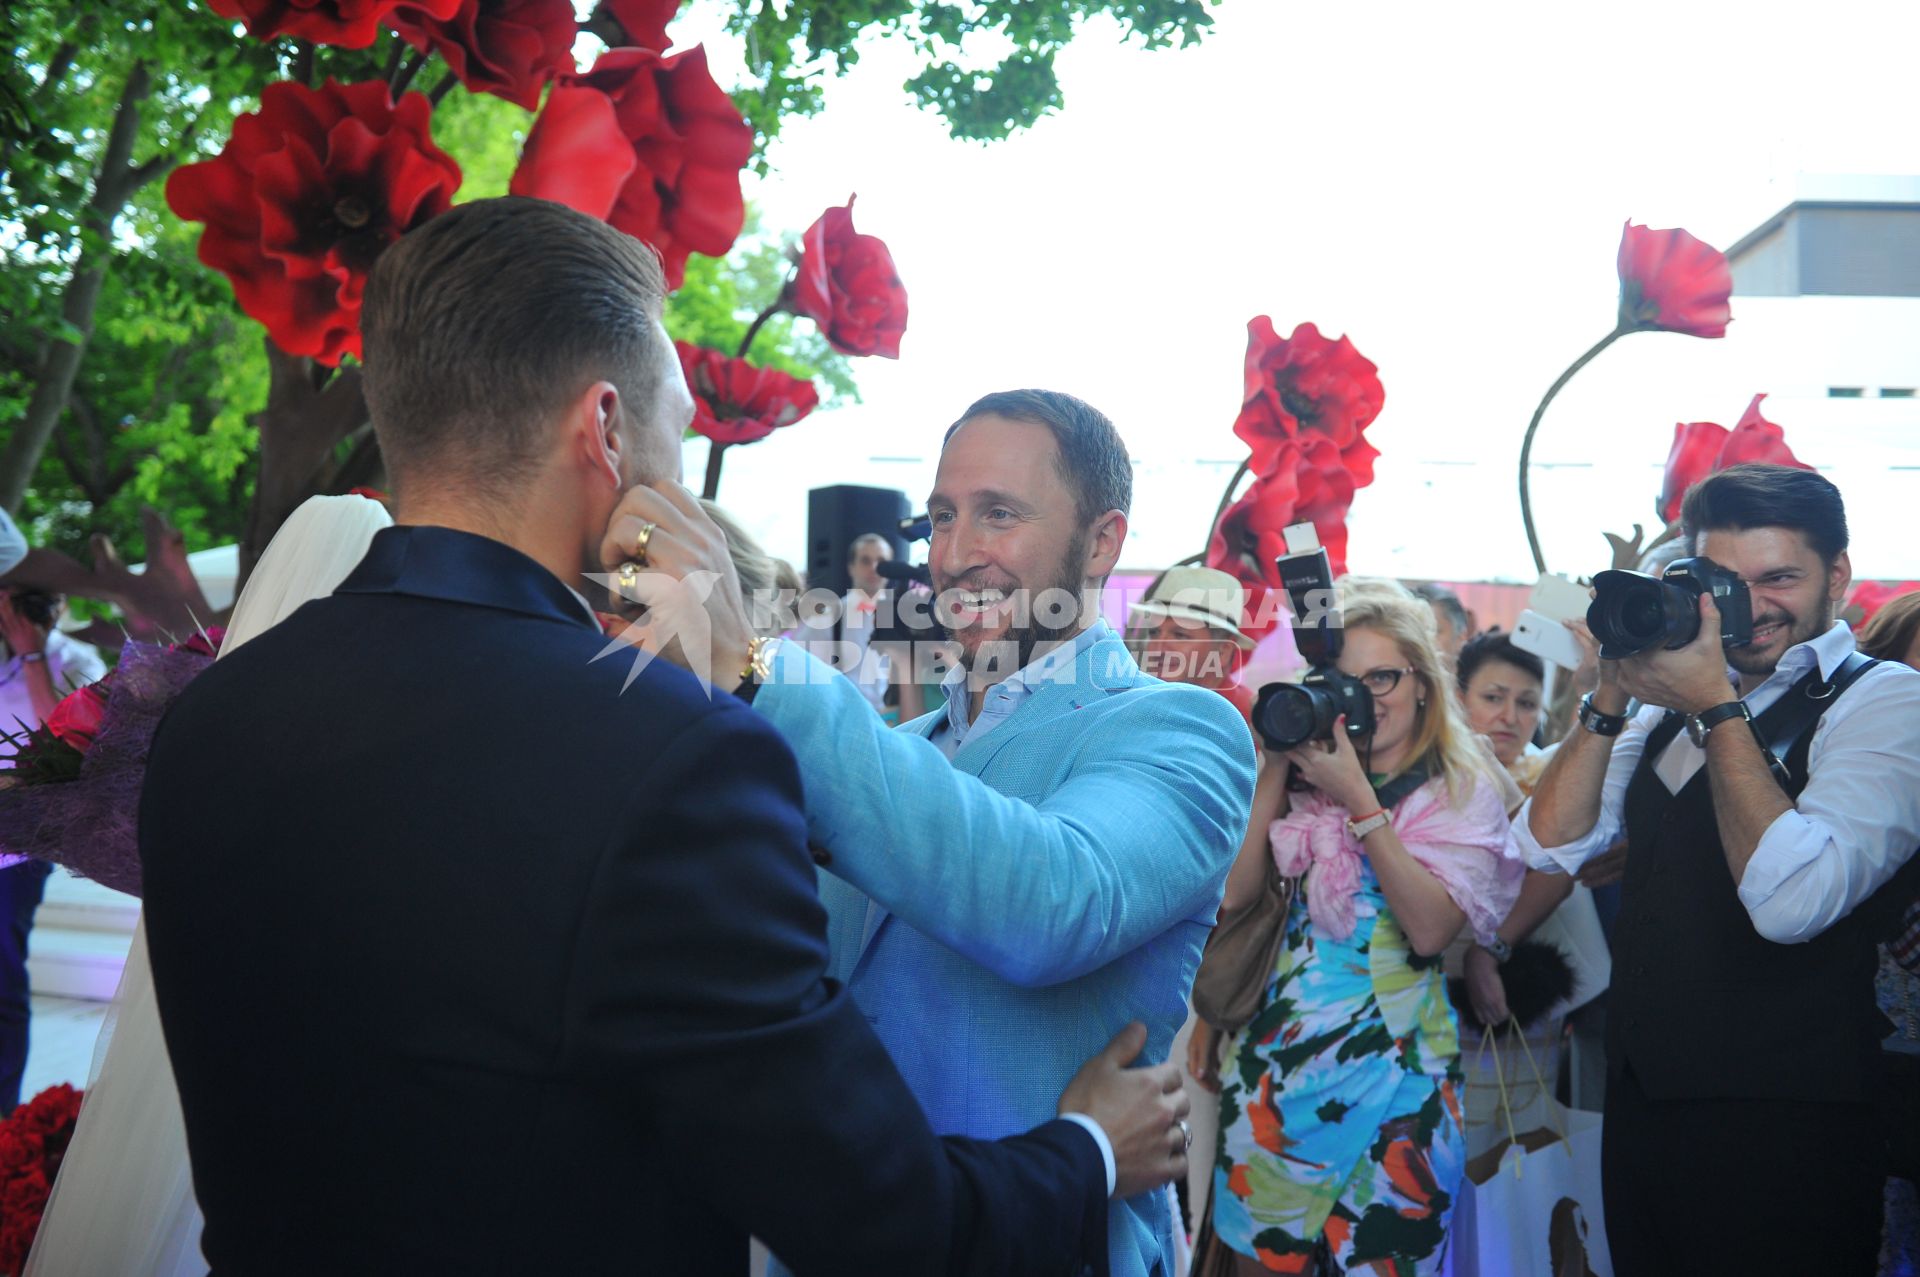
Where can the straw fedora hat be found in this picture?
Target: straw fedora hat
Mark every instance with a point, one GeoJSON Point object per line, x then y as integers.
{"type": "Point", "coordinates": [1206, 595]}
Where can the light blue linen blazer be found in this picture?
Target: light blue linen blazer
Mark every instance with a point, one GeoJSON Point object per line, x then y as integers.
{"type": "Point", "coordinates": [998, 918]}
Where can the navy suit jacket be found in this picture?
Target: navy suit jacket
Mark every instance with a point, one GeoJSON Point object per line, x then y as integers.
{"type": "Point", "coordinates": [469, 962]}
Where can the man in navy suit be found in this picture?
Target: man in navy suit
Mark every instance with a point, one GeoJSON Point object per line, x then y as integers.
{"type": "Point", "coordinates": [471, 962]}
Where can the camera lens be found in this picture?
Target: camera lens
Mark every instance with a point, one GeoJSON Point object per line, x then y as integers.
{"type": "Point", "coordinates": [1290, 714]}
{"type": "Point", "coordinates": [1633, 612]}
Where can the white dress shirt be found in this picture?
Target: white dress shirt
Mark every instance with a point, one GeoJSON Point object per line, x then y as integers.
{"type": "Point", "coordinates": [1853, 826]}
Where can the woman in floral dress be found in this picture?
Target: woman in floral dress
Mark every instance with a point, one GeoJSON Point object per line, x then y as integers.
{"type": "Point", "coordinates": [1341, 1147]}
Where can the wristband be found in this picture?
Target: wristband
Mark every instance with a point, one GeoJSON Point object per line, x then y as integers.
{"type": "Point", "coordinates": [1598, 723]}
{"type": "Point", "coordinates": [1367, 824]}
{"type": "Point", "coordinates": [32, 658]}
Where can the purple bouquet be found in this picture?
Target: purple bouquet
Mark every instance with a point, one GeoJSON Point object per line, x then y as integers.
{"type": "Point", "coordinates": [73, 795]}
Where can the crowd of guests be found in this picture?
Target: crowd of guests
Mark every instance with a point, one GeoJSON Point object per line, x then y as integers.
{"type": "Point", "coordinates": [886, 1027]}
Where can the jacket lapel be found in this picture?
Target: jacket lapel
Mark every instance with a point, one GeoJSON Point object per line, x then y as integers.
{"type": "Point", "coordinates": [1104, 668]}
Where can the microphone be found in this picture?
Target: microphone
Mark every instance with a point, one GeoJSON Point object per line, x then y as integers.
{"type": "Point", "coordinates": [899, 570]}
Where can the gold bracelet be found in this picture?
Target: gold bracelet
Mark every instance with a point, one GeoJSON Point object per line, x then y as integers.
{"type": "Point", "coordinates": [759, 667]}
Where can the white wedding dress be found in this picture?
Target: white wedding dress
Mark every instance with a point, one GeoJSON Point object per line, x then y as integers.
{"type": "Point", "coordinates": [123, 1203]}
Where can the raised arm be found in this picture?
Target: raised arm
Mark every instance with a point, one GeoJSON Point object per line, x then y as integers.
{"type": "Point", "coordinates": [760, 1077]}
{"type": "Point", "coordinates": [1138, 837]}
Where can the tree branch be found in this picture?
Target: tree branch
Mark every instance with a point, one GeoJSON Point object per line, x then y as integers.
{"type": "Point", "coordinates": [54, 384]}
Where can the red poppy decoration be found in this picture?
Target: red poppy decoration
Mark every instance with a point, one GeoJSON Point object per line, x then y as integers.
{"type": "Point", "coordinates": [848, 286]}
{"type": "Point", "coordinates": [309, 191]}
{"type": "Point", "coordinates": [1672, 282]}
{"type": "Point", "coordinates": [1307, 385]}
{"type": "Point", "coordinates": [509, 48]}
{"type": "Point", "coordinates": [351, 24]}
{"type": "Point", "coordinates": [644, 21]}
{"type": "Point", "coordinates": [1754, 438]}
{"type": "Point", "coordinates": [1696, 448]}
{"type": "Point", "coordinates": [1871, 596]}
{"type": "Point", "coordinates": [1701, 448]}
{"type": "Point", "coordinates": [670, 144]}
{"type": "Point", "coordinates": [1311, 484]}
{"type": "Point", "coordinates": [736, 402]}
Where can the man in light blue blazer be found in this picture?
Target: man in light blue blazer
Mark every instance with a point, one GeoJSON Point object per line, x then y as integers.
{"type": "Point", "coordinates": [1015, 878]}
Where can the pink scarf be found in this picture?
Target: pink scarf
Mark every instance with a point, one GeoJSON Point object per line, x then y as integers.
{"type": "Point", "coordinates": [1468, 847]}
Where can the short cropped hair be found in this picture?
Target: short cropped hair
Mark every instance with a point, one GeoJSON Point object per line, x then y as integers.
{"type": "Point", "coordinates": [1092, 460]}
{"type": "Point", "coordinates": [1760, 495]}
{"type": "Point", "coordinates": [480, 325]}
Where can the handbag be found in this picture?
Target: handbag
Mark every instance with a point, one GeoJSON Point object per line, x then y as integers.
{"type": "Point", "coordinates": [1241, 953]}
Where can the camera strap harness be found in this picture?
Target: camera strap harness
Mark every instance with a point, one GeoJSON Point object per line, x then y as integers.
{"type": "Point", "coordinates": [1787, 719]}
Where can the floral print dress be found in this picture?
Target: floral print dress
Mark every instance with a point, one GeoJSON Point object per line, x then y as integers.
{"type": "Point", "coordinates": [1340, 1123]}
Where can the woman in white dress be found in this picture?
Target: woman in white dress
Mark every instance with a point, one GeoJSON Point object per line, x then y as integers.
{"type": "Point", "coordinates": [123, 1203]}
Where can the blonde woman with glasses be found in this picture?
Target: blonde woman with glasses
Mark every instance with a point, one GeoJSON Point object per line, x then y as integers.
{"type": "Point", "coordinates": [1341, 1147]}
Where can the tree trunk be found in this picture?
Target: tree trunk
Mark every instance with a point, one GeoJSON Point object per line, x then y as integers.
{"type": "Point", "coordinates": [308, 413]}
{"type": "Point", "coordinates": [118, 179]}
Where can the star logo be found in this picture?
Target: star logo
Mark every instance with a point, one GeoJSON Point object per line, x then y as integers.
{"type": "Point", "coordinates": [674, 624]}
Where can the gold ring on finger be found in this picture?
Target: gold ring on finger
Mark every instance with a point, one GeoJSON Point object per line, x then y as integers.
{"type": "Point", "coordinates": [640, 543]}
{"type": "Point", "coordinates": [629, 578]}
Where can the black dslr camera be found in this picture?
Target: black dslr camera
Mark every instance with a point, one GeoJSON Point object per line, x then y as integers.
{"type": "Point", "coordinates": [1633, 612]}
{"type": "Point", "coordinates": [1291, 714]}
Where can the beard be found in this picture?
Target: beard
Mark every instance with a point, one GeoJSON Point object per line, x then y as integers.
{"type": "Point", "coordinates": [1025, 639]}
{"type": "Point", "coordinates": [1748, 661]}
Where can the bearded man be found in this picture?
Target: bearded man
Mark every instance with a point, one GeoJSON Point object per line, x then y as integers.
{"type": "Point", "coordinates": [1015, 877]}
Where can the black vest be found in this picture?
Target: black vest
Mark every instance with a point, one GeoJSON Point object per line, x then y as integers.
{"type": "Point", "coordinates": [1702, 1007]}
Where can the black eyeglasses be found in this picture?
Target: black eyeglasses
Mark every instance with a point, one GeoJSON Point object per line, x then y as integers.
{"type": "Point", "coordinates": [1381, 682]}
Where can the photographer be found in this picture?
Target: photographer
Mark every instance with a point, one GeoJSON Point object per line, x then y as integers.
{"type": "Point", "coordinates": [1340, 1112]}
{"type": "Point", "coordinates": [1742, 1036]}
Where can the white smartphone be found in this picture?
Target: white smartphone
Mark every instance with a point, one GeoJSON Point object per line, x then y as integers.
{"type": "Point", "coordinates": [1547, 639]}
{"type": "Point", "coordinates": [1558, 598]}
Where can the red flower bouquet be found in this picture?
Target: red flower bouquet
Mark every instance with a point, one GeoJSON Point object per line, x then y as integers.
{"type": "Point", "coordinates": [32, 1143]}
{"type": "Point", "coordinates": [73, 791]}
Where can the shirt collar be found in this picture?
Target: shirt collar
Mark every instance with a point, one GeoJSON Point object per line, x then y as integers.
{"type": "Point", "coordinates": [1009, 693]}
{"type": "Point", "coordinates": [1825, 649]}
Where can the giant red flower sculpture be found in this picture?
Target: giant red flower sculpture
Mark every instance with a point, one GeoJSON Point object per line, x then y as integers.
{"type": "Point", "coordinates": [847, 284]}
{"type": "Point", "coordinates": [1701, 448]}
{"type": "Point", "coordinates": [352, 24]}
{"type": "Point", "coordinates": [668, 146]}
{"type": "Point", "coordinates": [644, 21]}
{"type": "Point", "coordinates": [1307, 386]}
{"type": "Point", "coordinates": [309, 191]}
{"type": "Point", "coordinates": [1672, 282]}
{"type": "Point", "coordinates": [1871, 596]}
{"type": "Point", "coordinates": [736, 402]}
{"type": "Point", "coordinates": [1310, 483]}
{"type": "Point", "coordinates": [509, 48]}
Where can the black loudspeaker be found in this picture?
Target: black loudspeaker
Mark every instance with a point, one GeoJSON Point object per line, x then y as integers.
{"type": "Point", "coordinates": [840, 515]}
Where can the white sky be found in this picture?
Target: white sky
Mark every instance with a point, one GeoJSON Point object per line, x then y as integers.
{"type": "Point", "coordinates": [1444, 183]}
